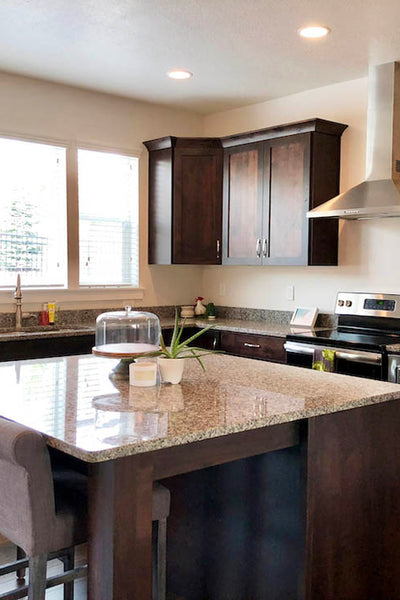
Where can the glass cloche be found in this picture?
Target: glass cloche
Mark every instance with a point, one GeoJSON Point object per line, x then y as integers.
{"type": "Point", "coordinates": [126, 334]}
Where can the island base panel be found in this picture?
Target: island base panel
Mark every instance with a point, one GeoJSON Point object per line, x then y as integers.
{"type": "Point", "coordinates": [353, 533]}
{"type": "Point", "coordinates": [120, 529]}
{"type": "Point", "coordinates": [237, 531]}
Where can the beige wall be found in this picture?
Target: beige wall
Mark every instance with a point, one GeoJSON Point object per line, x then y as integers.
{"type": "Point", "coordinates": [367, 249]}
{"type": "Point", "coordinates": [39, 109]}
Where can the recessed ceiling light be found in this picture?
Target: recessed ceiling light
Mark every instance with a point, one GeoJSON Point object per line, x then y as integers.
{"type": "Point", "coordinates": [314, 31]}
{"type": "Point", "coordinates": [179, 74]}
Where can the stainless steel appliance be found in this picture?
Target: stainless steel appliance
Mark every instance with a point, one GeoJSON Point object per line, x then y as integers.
{"type": "Point", "coordinates": [394, 368]}
{"type": "Point", "coordinates": [379, 194]}
{"type": "Point", "coordinates": [368, 328]}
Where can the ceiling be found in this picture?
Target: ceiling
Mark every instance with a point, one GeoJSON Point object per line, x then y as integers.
{"type": "Point", "coordinates": [240, 52]}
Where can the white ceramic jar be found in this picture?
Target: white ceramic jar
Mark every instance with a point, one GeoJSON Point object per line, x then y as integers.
{"type": "Point", "coordinates": [171, 369]}
{"type": "Point", "coordinates": [187, 312]}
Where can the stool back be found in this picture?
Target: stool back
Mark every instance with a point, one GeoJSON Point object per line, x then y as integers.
{"type": "Point", "coordinates": [26, 486]}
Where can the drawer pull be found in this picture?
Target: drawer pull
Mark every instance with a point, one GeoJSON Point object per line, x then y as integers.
{"type": "Point", "coordinates": [251, 345]}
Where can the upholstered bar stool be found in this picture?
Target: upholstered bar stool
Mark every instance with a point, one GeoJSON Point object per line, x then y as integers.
{"type": "Point", "coordinates": [44, 514]}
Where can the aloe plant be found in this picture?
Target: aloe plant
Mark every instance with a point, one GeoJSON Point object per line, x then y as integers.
{"type": "Point", "coordinates": [179, 349]}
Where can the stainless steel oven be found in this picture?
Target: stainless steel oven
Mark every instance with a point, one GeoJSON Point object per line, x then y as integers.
{"type": "Point", "coordinates": [394, 368]}
{"type": "Point", "coordinates": [368, 325]}
{"type": "Point", "coordinates": [359, 363]}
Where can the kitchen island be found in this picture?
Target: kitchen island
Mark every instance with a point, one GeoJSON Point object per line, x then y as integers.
{"type": "Point", "coordinates": [284, 481]}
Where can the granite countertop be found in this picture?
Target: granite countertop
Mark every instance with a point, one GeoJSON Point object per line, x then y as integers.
{"type": "Point", "coordinates": [74, 404]}
{"type": "Point", "coordinates": [394, 348]}
{"type": "Point", "coordinates": [31, 333]}
{"type": "Point", "coordinates": [272, 328]}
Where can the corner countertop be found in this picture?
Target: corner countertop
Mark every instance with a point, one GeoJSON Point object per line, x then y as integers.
{"type": "Point", "coordinates": [74, 404]}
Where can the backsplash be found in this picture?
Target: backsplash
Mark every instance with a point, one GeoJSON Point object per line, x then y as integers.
{"type": "Point", "coordinates": [272, 316]}
{"type": "Point", "coordinates": [68, 318]}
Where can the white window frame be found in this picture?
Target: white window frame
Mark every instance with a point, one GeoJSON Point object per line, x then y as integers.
{"type": "Point", "coordinates": [74, 292]}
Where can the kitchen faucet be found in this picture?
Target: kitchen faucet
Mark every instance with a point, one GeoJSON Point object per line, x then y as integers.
{"type": "Point", "coordinates": [18, 304]}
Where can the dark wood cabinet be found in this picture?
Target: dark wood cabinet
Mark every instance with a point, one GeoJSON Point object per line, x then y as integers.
{"type": "Point", "coordinates": [250, 345]}
{"type": "Point", "coordinates": [272, 177]}
{"type": "Point", "coordinates": [46, 347]}
{"type": "Point", "coordinates": [243, 204]}
{"type": "Point", "coordinates": [185, 200]}
{"type": "Point", "coordinates": [210, 340]}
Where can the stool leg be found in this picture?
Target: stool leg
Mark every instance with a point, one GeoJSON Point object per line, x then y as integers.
{"type": "Point", "coordinates": [161, 550]}
{"type": "Point", "coordinates": [21, 572]}
{"type": "Point", "coordinates": [69, 564]}
{"type": "Point", "coordinates": [37, 577]}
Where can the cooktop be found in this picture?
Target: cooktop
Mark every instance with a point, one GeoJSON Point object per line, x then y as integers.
{"type": "Point", "coordinates": [367, 340]}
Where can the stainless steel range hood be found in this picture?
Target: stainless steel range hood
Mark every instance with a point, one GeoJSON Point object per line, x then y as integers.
{"type": "Point", "coordinates": [379, 194]}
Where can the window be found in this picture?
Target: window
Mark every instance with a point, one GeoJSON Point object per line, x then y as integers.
{"type": "Point", "coordinates": [33, 217]}
{"type": "Point", "coordinates": [33, 220]}
{"type": "Point", "coordinates": [108, 219]}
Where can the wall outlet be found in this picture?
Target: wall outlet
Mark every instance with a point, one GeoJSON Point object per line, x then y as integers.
{"type": "Point", "coordinates": [290, 292]}
{"type": "Point", "coordinates": [222, 289]}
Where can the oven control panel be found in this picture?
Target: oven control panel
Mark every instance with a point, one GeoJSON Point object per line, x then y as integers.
{"type": "Point", "coordinates": [362, 303]}
{"type": "Point", "coordinates": [375, 304]}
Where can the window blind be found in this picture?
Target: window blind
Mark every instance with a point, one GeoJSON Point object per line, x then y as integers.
{"type": "Point", "coordinates": [108, 219]}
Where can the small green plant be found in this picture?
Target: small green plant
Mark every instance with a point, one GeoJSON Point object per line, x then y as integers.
{"type": "Point", "coordinates": [179, 349]}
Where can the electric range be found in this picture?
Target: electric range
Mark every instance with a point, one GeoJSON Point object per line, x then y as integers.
{"type": "Point", "coordinates": [367, 325]}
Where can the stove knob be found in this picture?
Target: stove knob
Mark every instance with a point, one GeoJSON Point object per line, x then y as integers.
{"type": "Point", "coordinates": [341, 302]}
{"type": "Point", "coordinates": [348, 303]}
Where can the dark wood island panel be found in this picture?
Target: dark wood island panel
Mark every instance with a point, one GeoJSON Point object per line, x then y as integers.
{"type": "Point", "coordinates": [307, 511]}
{"type": "Point", "coordinates": [353, 508]}
{"type": "Point", "coordinates": [125, 486]}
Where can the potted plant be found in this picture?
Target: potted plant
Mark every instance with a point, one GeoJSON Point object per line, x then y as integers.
{"type": "Point", "coordinates": [171, 359]}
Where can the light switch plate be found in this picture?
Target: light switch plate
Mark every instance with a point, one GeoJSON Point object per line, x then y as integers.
{"type": "Point", "coordinates": [290, 292]}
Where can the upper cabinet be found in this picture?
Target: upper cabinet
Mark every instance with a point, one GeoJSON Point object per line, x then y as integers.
{"type": "Point", "coordinates": [272, 177]}
{"type": "Point", "coordinates": [185, 201]}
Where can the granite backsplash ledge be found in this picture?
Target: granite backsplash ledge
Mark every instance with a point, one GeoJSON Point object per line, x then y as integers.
{"type": "Point", "coordinates": [69, 318]}
{"type": "Point", "coordinates": [272, 316]}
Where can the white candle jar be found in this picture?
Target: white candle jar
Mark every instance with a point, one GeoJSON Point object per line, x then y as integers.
{"type": "Point", "coordinates": [143, 374]}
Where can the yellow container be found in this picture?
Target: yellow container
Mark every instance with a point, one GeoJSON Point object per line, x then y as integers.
{"type": "Point", "coordinates": [51, 307]}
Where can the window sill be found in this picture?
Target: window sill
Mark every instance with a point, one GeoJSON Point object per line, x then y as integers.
{"type": "Point", "coordinates": [66, 296]}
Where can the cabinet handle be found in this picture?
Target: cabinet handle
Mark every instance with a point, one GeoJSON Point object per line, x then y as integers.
{"type": "Point", "coordinates": [258, 248]}
{"type": "Point", "coordinates": [218, 248]}
{"type": "Point", "coordinates": [264, 248]}
{"type": "Point", "coordinates": [251, 345]}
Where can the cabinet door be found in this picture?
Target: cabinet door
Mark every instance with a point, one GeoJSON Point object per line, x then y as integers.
{"type": "Point", "coordinates": [289, 195]}
{"type": "Point", "coordinates": [243, 178]}
{"type": "Point", "coordinates": [210, 340]}
{"type": "Point", "coordinates": [197, 205]}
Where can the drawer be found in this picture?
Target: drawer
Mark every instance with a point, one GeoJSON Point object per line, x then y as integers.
{"type": "Point", "coordinates": [264, 347]}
